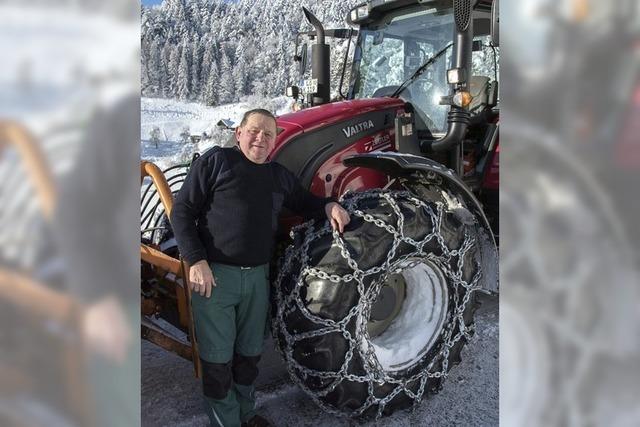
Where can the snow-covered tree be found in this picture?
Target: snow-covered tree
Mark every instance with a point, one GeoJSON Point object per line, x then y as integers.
{"type": "Point", "coordinates": [211, 89]}
{"type": "Point", "coordinates": [173, 69]}
{"type": "Point", "coordinates": [196, 64]}
{"type": "Point", "coordinates": [250, 41]}
{"type": "Point", "coordinates": [183, 81]}
{"type": "Point", "coordinates": [164, 75]}
{"type": "Point", "coordinates": [226, 86]}
{"type": "Point", "coordinates": [208, 58]}
{"type": "Point", "coordinates": [240, 78]}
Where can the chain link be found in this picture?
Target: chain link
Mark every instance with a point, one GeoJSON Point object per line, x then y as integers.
{"type": "Point", "coordinates": [450, 261]}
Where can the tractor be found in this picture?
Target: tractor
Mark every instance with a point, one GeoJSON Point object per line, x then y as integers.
{"type": "Point", "coordinates": [370, 320]}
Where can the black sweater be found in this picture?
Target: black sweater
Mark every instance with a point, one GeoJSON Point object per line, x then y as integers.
{"type": "Point", "coordinates": [227, 209]}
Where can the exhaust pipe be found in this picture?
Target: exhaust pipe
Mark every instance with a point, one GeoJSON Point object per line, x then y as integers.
{"type": "Point", "coordinates": [458, 118]}
{"type": "Point", "coordinates": [320, 61]}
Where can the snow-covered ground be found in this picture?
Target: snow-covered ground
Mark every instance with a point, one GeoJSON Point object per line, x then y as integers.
{"type": "Point", "coordinates": [171, 395]}
{"type": "Point", "coordinates": [173, 118]}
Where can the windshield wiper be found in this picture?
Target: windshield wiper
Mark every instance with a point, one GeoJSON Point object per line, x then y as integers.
{"type": "Point", "coordinates": [419, 71]}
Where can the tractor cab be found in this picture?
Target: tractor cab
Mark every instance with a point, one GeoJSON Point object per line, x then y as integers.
{"type": "Point", "coordinates": [389, 50]}
{"type": "Point", "coordinates": [407, 51]}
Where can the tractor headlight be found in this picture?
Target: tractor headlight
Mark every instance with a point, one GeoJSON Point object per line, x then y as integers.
{"type": "Point", "coordinates": [456, 76]}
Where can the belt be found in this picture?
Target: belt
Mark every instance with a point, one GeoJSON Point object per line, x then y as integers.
{"type": "Point", "coordinates": [238, 266]}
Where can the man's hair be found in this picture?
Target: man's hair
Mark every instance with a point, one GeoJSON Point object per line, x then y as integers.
{"type": "Point", "coordinates": [260, 111]}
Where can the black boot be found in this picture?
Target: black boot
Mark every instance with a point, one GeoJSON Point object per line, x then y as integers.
{"type": "Point", "coordinates": [257, 421]}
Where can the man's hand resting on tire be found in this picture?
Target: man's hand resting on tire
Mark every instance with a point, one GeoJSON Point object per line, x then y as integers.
{"type": "Point", "coordinates": [337, 215]}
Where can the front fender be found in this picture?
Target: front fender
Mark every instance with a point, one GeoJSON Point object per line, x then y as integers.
{"type": "Point", "coordinates": [406, 165]}
{"type": "Point", "coordinates": [430, 179]}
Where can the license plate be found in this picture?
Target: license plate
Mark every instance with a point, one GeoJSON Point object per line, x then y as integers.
{"type": "Point", "coordinates": [310, 86]}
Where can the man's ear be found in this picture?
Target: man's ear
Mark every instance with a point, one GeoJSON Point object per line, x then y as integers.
{"type": "Point", "coordinates": [237, 132]}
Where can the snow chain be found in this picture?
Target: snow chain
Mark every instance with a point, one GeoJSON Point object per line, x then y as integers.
{"type": "Point", "coordinates": [360, 342]}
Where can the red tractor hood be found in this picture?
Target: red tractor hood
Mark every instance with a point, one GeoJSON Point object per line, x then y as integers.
{"type": "Point", "coordinates": [309, 119]}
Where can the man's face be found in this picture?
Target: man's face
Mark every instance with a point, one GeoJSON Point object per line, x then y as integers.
{"type": "Point", "coordinates": [257, 137]}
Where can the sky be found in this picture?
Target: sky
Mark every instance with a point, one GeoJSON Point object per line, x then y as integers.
{"type": "Point", "coordinates": [151, 2]}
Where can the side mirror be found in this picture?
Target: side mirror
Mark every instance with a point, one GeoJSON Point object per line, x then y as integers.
{"type": "Point", "coordinates": [495, 23]}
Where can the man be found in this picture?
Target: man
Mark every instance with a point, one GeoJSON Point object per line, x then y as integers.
{"type": "Point", "coordinates": [224, 219]}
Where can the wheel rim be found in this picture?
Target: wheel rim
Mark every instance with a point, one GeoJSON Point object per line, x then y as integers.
{"type": "Point", "coordinates": [416, 316]}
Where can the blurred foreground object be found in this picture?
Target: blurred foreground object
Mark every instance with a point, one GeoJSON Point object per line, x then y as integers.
{"type": "Point", "coordinates": [570, 299]}
{"type": "Point", "coordinates": [69, 116]}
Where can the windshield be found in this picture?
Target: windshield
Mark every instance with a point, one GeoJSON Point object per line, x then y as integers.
{"type": "Point", "coordinates": [389, 52]}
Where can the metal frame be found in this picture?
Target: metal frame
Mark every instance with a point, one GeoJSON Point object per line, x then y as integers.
{"type": "Point", "coordinates": [164, 264]}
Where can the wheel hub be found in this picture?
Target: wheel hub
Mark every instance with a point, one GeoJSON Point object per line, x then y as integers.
{"type": "Point", "coordinates": [408, 316]}
{"type": "Point", "coordinates": [387, 305]}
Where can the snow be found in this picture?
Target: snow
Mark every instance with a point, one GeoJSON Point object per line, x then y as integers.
{"type": "Point", "coordinates": [173, 117]}
{"type": "Point", "coordinates": [219, 51]}
{"type": "Point", "coordinates": [171, 394]}
{"type": "Point", "coordinates": [418, 323]}
{"type": "Point", "coordinates": [452, 201]}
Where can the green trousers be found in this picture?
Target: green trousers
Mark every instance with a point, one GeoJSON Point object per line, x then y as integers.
{"type": "Point", "coordinates": [230, 326]}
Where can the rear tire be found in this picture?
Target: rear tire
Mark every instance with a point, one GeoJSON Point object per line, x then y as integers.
{"type": "Point", "coordinates": [371, 321]}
